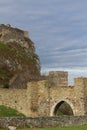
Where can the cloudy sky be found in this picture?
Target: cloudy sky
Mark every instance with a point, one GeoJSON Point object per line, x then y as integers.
{"type": "Point", "coordinates": [58, 29]}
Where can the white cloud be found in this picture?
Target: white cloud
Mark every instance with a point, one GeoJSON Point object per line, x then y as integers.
{"type": "Point", "coordinates": [72, 73]}
{"type": "Point", "coordinates": [58, 28]}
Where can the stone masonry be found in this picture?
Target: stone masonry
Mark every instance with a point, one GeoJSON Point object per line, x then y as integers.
{"type": "Point", "coordinates": [42, 122]}
{"type": "Point", "coordinates": [42, 98]}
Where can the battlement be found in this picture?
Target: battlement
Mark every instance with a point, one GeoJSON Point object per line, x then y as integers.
{"type": "Point", "coordinates": [58, 78]}
{"type": "Point", "coordinates": [43, 98]}
{"type": "Point", "coordinates": [80, 81]}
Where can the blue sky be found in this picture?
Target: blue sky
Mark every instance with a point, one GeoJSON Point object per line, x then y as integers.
{"type": "Point", "coordinates": [58, 29]}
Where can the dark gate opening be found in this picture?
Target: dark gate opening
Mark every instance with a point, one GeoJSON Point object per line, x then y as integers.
{"type": "Point", "coordinates": [63, 108]}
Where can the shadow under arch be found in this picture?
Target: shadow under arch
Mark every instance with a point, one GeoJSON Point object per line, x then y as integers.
{"type": "Point", "coordinates": [62, 108]}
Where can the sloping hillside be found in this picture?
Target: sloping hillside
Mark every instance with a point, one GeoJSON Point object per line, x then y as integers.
{"type": "Point", "coordinates": [19, 62]}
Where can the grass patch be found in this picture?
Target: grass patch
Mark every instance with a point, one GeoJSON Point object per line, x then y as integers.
{"type": "Point", "coordinates": [9, 112]}
{"type": "Point", "coordinates": [3, 46]}
{"type": "Point", "coordinates": [59, 113]}
{"type": "Point", "coordinates": [83, 127]}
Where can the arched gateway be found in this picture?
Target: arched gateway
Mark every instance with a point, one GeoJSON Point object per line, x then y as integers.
{"type": "Point", "coordinates": [48, 97]}
{"type": "Point", "coordinates": [54, 94]}
{"type": "Point", "coordinates": [62, 108]}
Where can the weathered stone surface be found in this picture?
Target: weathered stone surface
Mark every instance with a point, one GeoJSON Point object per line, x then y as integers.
{"type": "Point", "coordinates": [5, 122]}
{"type": "Point", "coordinates": [19, 62]}
{"type": "Point", "coordinates": [11, 127]}
{"type": "Point", "coordinates": [43, 122]}
{"type": "Point", "coordinates": [58, 78]}
{"type": "Point", "coordinates": [42, 99]}
{"type": "Point", "coordinates": [49, 122]}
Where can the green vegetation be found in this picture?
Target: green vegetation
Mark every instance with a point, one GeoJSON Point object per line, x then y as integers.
{"type": "Point", "coordinates": [84, 127]}
{"type": "Point", "coordinates": [60, 113]}
{"type": "Point", "coordinates": [5, 74]}
{"type": "Point", "coordinates": [6, 50]}
{"type": "Point", "coordinates": [15, 58]}
{"type": "Point", "coordinates": [9, 112]}
{"type": "Point", "coordinates": [14, 50]}
{"type": "Point", "coordinates": [3, 46]}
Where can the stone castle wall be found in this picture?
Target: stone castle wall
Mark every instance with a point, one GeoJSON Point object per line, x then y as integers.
{"type": "Point", "coordinates": [38, 98]}
{"type": "Point", "coordinates": [14, 98]}
{"type": "Point", "coordinates": [41, 97]}
{"type": "Point", "coordinates": [43, 122]}
{"type": "Point", "coordinates": [53, 91]}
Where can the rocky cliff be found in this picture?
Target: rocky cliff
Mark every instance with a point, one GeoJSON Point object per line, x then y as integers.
{"type": "Point", "coordinates": [19, 62]}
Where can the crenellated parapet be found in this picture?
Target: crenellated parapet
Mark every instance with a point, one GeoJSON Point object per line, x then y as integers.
{"type": "Point", "coordinates": [43, 98]}
{"type": "Point", "coordinates": [58, 78]}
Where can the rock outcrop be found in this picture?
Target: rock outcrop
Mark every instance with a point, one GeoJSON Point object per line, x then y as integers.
{"type": "Point", "coordinates": [19, 62]}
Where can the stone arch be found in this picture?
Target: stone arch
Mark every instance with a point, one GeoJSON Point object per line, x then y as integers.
{"type": "Point", "coordinates": [57, 105]}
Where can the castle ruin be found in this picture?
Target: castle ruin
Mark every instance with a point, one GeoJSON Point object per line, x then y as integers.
{"type": "Point", "coordinates": [7, 29]}
{"type": "Point", "coordinates": [43, 98]}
